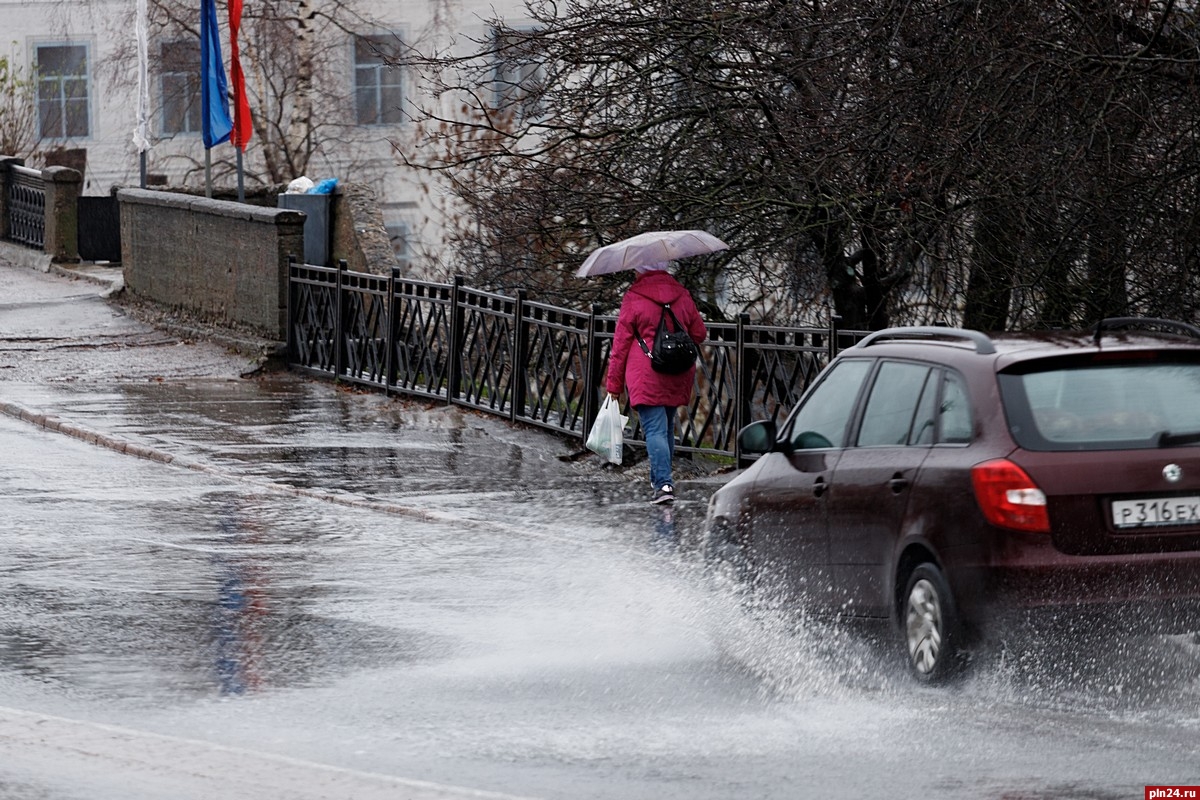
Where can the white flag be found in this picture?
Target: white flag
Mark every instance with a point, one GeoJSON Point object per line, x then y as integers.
{"type": "Point", "coordinates": [141, 134]}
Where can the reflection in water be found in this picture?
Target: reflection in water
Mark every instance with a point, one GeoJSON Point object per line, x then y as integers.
{"type": "Point", "coordinates": [666, 536]}
{"type": "Point", "coordinates": [241, 610]}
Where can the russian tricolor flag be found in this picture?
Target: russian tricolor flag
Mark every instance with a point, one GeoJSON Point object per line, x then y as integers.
{"type": "Point", "coordinates": [214, 92]}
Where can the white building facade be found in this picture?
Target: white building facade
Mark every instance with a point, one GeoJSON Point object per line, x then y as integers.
{"type": "Point", "coordinates": [82, 59]}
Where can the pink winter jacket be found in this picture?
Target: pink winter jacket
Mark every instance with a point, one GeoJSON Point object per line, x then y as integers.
{"type": "Point", "coordinates": [628, 366]}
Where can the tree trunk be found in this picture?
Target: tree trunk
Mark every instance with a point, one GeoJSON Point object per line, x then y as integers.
{"type": "Point", "coordinates": [1106, 292]}
{"type": "Point", "coordinates": [300, 125]}
{"type": "Point", "coordinates": [989, 290]}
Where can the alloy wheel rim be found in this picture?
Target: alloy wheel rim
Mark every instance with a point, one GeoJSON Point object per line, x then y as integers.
{"type": "Point", "coordinates": [923, 626]}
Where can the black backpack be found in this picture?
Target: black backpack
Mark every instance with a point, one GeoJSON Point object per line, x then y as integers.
{"type": "Point", "coordinates": [674, 351]}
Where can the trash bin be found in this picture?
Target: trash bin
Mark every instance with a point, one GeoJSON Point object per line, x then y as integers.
{"type": "Point", "coordinates": [317, 230]}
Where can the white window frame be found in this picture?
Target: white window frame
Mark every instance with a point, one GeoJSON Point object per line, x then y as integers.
{"type": "Point", "coordinates": [386, 86]}
{"type": "Point", "coordinates": [189, 85]}
{"type": "Point", "coordinates": [62, 98]}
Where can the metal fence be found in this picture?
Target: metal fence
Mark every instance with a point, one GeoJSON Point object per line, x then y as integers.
{"type": "Point", "coordinates": [27, 207]}
{"type": "Point", "coordinates": [530, 362]}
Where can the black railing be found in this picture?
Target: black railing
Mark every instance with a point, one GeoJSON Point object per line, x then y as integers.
{"type": "Point", "coordinates": [27, 207]}
{"type": "Point", "coordinates": [531, 362]}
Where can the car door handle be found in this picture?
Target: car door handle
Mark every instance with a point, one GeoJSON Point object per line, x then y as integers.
{"type": "Point", "coordinates": [819, 487]}
{"type": "Point", "coordinates": [898, 483]}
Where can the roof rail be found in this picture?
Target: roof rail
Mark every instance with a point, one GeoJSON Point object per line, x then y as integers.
{"type": "Point", "coordinates": [1144, 323]}
{"type": "Point", "coordinates": [983, 345]}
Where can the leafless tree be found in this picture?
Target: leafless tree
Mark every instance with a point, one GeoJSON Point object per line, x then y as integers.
{"type": "Point", "coordinates": [18, 114]}
{"type": "Point", "coordinates": [1027, 163]}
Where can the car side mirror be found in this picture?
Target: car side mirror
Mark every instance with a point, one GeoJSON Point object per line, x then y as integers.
{"type": "Point", "coordinates": [757, 437]}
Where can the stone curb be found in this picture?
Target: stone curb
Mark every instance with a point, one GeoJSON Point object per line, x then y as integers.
{"type": "Point", "coordinates": [115, 283]}
{"type": "Point", "coordinates": [27, 257]}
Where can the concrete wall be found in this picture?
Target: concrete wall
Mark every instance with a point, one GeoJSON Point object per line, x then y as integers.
{"type": "Point", "coordinates": [223, 261]}
{"type": "Point", "coordinates": [62, 186]}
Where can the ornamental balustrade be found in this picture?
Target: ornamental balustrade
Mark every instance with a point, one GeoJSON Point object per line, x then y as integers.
{"type": "Point", "coordinates": [27, 207]}
{"type": "Point", "coordinates": [530, 362]}
{"type": "Point", "coordinates": [40, 210]}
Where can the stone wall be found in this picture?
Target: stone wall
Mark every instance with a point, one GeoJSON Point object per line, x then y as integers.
{"type": "Point", "coordinates": [222, 261]}
{"type": "Point", "coordinates": [359, 235]}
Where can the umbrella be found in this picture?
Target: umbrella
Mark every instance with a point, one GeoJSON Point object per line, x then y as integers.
{"type": "Point", "coordinates": [649, 248]}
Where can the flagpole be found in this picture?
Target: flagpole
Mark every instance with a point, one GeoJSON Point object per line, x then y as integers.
{"type": "Point", "coordinates": [214, 92]}
{"type": "Point", "coordinates": [242, 128]}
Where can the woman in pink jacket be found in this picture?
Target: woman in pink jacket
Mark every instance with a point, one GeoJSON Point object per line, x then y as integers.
{"type": "Point", "coordinates": [653, 395]}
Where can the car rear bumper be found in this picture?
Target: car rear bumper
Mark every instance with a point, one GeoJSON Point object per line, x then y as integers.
{"type": "Point", "coordinates": [1030, 580]}
{"type": "Point", "coordinates": [1124, 616]}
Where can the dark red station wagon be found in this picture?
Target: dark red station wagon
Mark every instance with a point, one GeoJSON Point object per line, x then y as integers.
{"type": "Point", "coordinates": [954, 482]}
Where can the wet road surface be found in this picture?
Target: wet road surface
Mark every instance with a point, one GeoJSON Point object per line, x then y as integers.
{"type": "Point", "coordinates": [333, 594]}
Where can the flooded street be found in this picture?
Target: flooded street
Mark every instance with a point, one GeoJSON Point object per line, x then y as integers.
{"type": "Point", "coordinates": [312, 592]}
{"type": "Point", "coordinates": [536, 636]}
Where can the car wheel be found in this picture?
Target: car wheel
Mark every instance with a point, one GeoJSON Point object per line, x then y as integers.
{"type": "Point", "coordinates": [929, 626]}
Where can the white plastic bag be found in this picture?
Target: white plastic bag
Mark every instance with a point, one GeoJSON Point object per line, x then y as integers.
{"type": "Point", "coordinates": [300, 186]}
{"type": "Point", "coordinates": [608, 431]}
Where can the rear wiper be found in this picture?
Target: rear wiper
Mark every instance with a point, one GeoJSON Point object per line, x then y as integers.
{"type": "Point", "coordinates": [1168, 439]}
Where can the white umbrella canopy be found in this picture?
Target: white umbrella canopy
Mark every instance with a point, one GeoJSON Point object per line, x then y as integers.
{"type": "Point", "coordinates": [649, 248]}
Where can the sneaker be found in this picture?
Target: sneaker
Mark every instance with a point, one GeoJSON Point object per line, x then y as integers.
{"type": "Point", "coordinates": [664, 494]}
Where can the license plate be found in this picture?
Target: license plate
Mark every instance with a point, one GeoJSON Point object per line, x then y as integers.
{"type": "Point", "coordinates": [1156, 512]}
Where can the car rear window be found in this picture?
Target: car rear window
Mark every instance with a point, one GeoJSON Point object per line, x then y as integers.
{"type": "Point", "coordinates": [1103, 401]}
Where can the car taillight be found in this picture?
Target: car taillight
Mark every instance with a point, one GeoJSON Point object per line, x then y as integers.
{"type": "Point", "coordinates": [1009, 498]}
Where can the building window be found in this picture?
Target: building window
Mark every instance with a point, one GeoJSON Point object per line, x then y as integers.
{"type": "Point", "coordinates": [378, 90]}
{"type": "Point", "coordinates": [62, 80]}
{"type": "Point", "coordinates": [181, 87]}
{"type": "Point", "coordinates": [517, 75]}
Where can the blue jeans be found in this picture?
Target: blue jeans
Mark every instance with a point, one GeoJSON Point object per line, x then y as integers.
{"type": "Point", "coordinates": [658, 428]}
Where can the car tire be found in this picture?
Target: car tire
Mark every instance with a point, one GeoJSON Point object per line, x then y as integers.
{"type": "Point", "coordinates": [929, 626]}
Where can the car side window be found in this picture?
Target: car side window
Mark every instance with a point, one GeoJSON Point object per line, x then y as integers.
{"type": "Point", "coordinates": [891, 412]}
{"type": "Point", "coordinates": [954, 415]}
{"type": "Point", "coordinates": [821, 421]}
